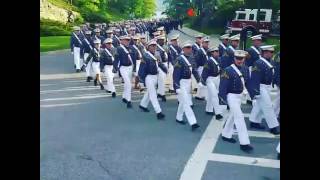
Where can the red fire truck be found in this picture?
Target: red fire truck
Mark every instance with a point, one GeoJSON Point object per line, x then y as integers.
{"type": "Point", "coordinates": [246, 20]}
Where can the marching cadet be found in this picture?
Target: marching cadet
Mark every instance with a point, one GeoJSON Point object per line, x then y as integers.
{"type": "Point", "coordinates": [148, 74]}
{"type": "Point", "coordinates": [95, 55]}
{"type": "Point", "coordinates": [125, 64]}
{"type": "Point", "coordinates": [201, 57]}
{"type": "Point", "coordinates": [224, 44]}
{"type": "Point", "coordinates": [137, 55]}
{"type": "Point", "coordinates": [228, 57]}
{"type": "Point", "coordinates": [233, 81]}
{"type": "Point", "coordinates": [254, 51]}
{"type": "Point", "coordinates": [76, 47]}
{"type": "Point", "coordinates": [87, 47]}
{"type": "Point", "coordinates": [262, 76]}
{"type": "Point", "coordinates": [174, 52]}
{"type": "Point", "coordinates": [98, 35]}
{"type": "Point", "coordinates": [182, 85]}
{"type": "Point", "coordinates": [162, 55]}
{"type": "Point", "coordinates": [210, 78]}
{"type": "Point", "coordinates": [142, 44]}
{"type": "Point", "coordinates": [115, 38]}
{"type": "Point", "coordinates": [276, 81]}
{"type": "Point", "coordinates": [106, 65]}
{"type": "Point", "coordinates": [195, 47]}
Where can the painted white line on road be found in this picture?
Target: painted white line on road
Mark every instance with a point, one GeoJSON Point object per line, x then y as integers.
{"type": "Point", "coordinates": [64, 90]}
{"type": "Point", "coordinates": [262, 134]}
{"type": "Point", "coordinates": [58, 105]}
{"type": "Point", "coordinates": [196, 165]}
{"type": "Point", "coordinates": [75, 98]}
{"type": "Point", "coordinates": [254, 161]}
{"type": "Point", "coordinates": [60, 76]}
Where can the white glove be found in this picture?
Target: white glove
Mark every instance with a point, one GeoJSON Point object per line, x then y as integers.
{"type": "Point", "coordinates": [200, 85]}
{"type": "Point", "coordinates": [71, 52]}
{"type": "Point", "coordinates": [257, 96]}
{"type": "Point", "coordinates": [178, 91]}
{"type": "Point", "coordinates": [135, 74]}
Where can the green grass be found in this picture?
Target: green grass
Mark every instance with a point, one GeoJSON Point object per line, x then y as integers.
{"type": "Point", "coordinates": [64, 4]}
{"type": "Point", "coordinates": [52, 43]}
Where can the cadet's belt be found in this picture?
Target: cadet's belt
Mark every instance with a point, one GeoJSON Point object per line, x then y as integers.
{"type": "Point", "coordinates": [265, 83]}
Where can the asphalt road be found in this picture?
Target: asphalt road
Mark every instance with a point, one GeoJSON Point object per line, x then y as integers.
{"type": "Point", "coordinates": [85, 134]}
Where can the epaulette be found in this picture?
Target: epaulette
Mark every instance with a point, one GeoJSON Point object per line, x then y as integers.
{"type": "Point", "coordinates": [255, 68]}
{"type": "Point", "coordinates": [177, 64]}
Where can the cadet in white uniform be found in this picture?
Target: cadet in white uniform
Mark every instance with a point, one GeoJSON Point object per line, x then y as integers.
{"type": "Point", "coordinates": [148, 76]}
{"type": "Point", "coordinates": [76, 47]}
{"type": "Point", "coordinates": [262, 76]}
{"type": "Point", "coordinates": [232, 83]}
{"type": "Point", "coordinates": [106, 65]}
{"type": "Point", "coordinates": [211, 78]}
{"type": "Point", "coordinates": [183, 69]}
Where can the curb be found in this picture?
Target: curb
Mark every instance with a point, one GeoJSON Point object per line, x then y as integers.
{"type": "Point", "coordinates": [54, 52]}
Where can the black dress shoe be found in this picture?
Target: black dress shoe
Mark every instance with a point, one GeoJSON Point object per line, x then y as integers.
{"type": "Point", "coordinates": [249, 102]}
{"type": "Point", "coordinates": [246, 148]}
{"type": "Point", "coordinates": [230, 140]}
{"type": "Point", "coordinates": [163, 98]}
{"type": "Point", "coordinates": [124, 100]}
{"type": "Point", "coordinates": [113, 94]}
{"type": "Point", "coordinates": [160, 115]}
{"type": "Point", "coordinates": [194, 127]}
{"type": "Point", "coordinates": [198, 98]}
{"type": "Point", "coordinates": [218, 117]}
{"type": "Point", "coordinates": [192, 106]}
{"type": "Point", "coordinates": [129, 105]}
{"type": "Point", "coordinates": [88, 79]}
{"type": "Point", "coordinates": [274, 131]}
{"type": "Point", "coordinates": [195, 89]}
{"type": "Point", "coordinates": [256, 125]}
{"type": "Point", "coordinates": [171, 91]}
{"type": "Point", "coordinates": [108, 91]}
{"type": "Point", "coordinates": [278, 156]}
{"type": "Point", "coordinates": [95, 83]}
{"type": "Point", "coordinates": [78, 70]}
{"type": "Point", "coordinates": [101, 87]}
{"type": "Point", "coordinates": [144, 109]}
{"type": "Point", "coordinates": [210, 113]}
{"type": "Point", "coordinates": [181, 122]}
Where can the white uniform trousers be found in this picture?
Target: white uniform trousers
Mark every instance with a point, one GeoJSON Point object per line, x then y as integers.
{"type": "Point", "coordinates": [194, 83]}
{"type": "Point", "coordinates": [109, 76]}
{"type": "Point", "coordinates": [263, 108]}
{"type": "Point", "coordinates": [126, 73]}
{"type": "Point", "coordinates": [236, 118]}
{"type": "Point", "coordinates": [95, 68]}
{"type": "Point", "coordinates": [88, 67]}
{"type": "Point", "coordinates": [202, 91]}
{"type": "Point", "coordinates": [185, 102]}
{"type": "Point", "coordinates": [276, 103]}
{"type": "Point", "coordinates": [170, 76]}
{"type": "Point", "coordinates": [161, 80]}
{"type": "Point", "coordinates": [137, 67]}
{"type": "Point", "coordinates": [278, 148]}
{"type": "Point", "coordinates": [151, 94]}
{"type": "Point", "coordinates": [212, 98]}
{"type": "Point", "coordinates": [76, 57]}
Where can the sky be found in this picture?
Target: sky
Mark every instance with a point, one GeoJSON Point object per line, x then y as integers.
{"type": "Point", "coordinates": [160, 8]}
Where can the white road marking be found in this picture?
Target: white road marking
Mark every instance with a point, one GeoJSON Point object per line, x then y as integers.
{"type": "Point", "coordinates": [197, 163]}
{"type": "Point", "coordinates": [262, 134]}
{"type": "Point", "coordinates": [74, 98]}
{"type": "Point", "coordinates": [262, 162]}
{"type": "Point", "coordinates": [58, 105]}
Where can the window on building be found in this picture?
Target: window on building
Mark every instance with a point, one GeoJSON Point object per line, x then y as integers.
{"type": "Point", "coordinates": [251, 17]}
{"type": "Point", "coordinates": [241, 16]}
{"type": "Point", "coordinates": [262, 16]}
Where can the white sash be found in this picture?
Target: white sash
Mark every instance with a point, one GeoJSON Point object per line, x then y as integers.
{"type": "Point", "coordinates": [126, 51]}
{"type": "Point", "coordinates": [223, 46]}
{"type": "Point", "coordinates": [186, 60]}
{"type": "Point", "coordinates": [165, 53]}
{"type": "Point", "coordinates": [95, 50]}
{"type": "Point", "coordinates": [154, 58]}
{"type": "Point", "coordinates": [197, 46]}
{"type": "Point", "coordinates": [140, 55]}
{"type": "Point", "coordinates": [88, 42]}
{"type": "Point", "coordinates": [232, 48]}
{"type": "Point", "coordinates": [204, 52]}
{"type": "Point", "coordinates": [77, 38]}
{"type": "Point", "coordinates": [117, 38]}
{"type": "Point", "coordinates": [256, 50]}
{"type": "Point", "coordinates": [268, 64]}
{"type": "Point", "coordinates": [174, 50]}
{"type": "Point", "coordinates": [144, 48]}
{"type": "Point", "coordinates": [108, 52]}
{"type": "Point", "coordinates": [239, 74]}
{"type": "Point", "coordinates": [215, 62]}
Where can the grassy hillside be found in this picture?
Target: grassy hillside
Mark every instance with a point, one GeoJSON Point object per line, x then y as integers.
{"type": "Point", "coordinates": [54, 43]}
{"type": "Point", "coordinates": [64, 4]}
